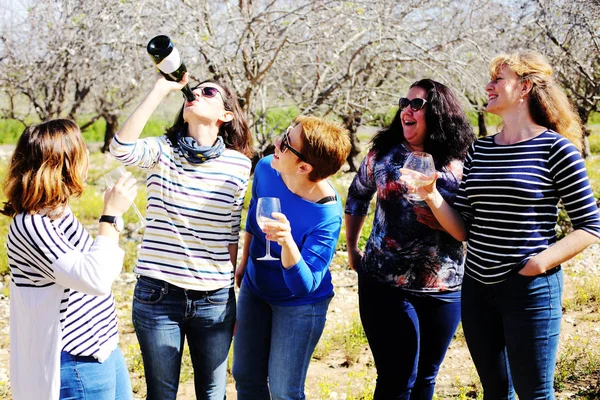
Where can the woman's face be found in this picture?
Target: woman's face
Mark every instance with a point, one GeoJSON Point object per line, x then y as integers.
{"type": "Point", "coordinates": [413, 122]}
{"type": "Point", "coordinates": [284, 159]}
{"type": "Point", "coordinates": [209, 105]}
{"type": "Point", "coordinates": [504, 91]}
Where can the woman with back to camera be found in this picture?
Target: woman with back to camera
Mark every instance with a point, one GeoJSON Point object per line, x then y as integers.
{"type": "Point", "coordinates": [63, 320]}
{"type": "Point", "coordinates": [410, 275]}
{"type": "Point", "coordinates": [507, 209]}
{"type": "Point", "coordinates": [197, 177]}
{"type": "Point", "coordinates": [283, 303]}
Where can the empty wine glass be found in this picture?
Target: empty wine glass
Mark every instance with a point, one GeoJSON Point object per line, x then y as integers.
{"type": "Point", "coordinates": [111, 178]}
{"type": "Point", "coordinates": [418, 171]}
{"type": "Point", "coordinates": [265, 207]}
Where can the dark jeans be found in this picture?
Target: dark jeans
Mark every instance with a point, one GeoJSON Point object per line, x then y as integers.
{"type": "Point", "coordinates": [512, 330]}
{"type": "Point", "coordinates": [163, 315]}
{"type": "Point", "coordinates": [409, 334]}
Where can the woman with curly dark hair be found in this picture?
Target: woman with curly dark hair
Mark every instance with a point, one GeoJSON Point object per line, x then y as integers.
{"type": "Point", "coordinates": [411, 271]}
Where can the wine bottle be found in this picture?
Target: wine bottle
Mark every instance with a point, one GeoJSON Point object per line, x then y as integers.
{"type": "Point", "coordinates": [168, 61]}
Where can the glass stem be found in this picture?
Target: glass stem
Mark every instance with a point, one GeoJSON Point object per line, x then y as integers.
{"type": "Point", "coordinates": [268, 247]}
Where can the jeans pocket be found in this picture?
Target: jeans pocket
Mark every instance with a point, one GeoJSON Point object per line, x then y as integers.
{"type": "Point", "coordinates": [220, 296]}
{"type": "Point", "coordinates": [147, 292]}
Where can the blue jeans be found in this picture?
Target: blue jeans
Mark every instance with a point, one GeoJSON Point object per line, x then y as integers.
{"type": "Point", "coordinates": [83, 377]}
{"type": "Point", "coordinates": [409, 334]}
{"type": "Point", "coordinates": [274, 345]}
{"type": "Point", "coordinates": [163, 315]}
{"type": "Point", "coordinates": [512, 330]}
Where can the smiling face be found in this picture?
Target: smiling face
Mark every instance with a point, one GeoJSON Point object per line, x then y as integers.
{"type": "Point", "coordinates": [208, 106]}
{"type": "Point", "coordinates": [505, 91]}
{"type": "Point", "coordinates": [414, 125]}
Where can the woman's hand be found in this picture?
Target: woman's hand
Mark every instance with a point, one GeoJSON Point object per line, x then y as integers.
{"type": "Point", "coordinates": [354, 257]}
{"type": "Point", "coordinates": [165, 86]}
{"type": "Point", "coordinates": [239, 273]}
{"type": "Point", "coordinates": [279, 230]}
{"type": "Point", "coordinates": [532, 268]}
{"type": "Point", "coordinates": [118, 198]}
{"type": "Point", "coordinates": [426, 217]}
{"type": "Point", "coordinates": [427, 192]}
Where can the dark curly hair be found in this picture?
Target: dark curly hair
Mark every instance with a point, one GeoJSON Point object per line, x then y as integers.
{"type": "Point", "coordinates": [449, 133]}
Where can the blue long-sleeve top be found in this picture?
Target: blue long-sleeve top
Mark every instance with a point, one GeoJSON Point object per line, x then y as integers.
{"type": "Point", "coordinates": [315, 229]}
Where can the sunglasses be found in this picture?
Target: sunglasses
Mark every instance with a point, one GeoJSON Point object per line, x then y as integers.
{"type": "Point", "coordinates": [209, 92]}
{"type": "Point", "coordinates": [284, 145]}
{"type": "Point", "coordinates": [415, 104]}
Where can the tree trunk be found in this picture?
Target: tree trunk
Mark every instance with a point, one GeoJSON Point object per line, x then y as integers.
{"type": "Point", "coordinates": [352, 122]}
{"type": "Point", "coordinates": [112, 123]}
{"type": "Point", "coordinates": [481, 123]}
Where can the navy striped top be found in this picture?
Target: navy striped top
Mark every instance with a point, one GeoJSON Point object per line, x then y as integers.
{"type": "Point", "coordinates": [35, 242]}
{"type": "Point", "coordinates": [509, 199]}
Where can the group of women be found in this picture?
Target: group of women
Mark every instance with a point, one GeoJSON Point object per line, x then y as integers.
{"type": "Point", "coordinates": [417, 278]}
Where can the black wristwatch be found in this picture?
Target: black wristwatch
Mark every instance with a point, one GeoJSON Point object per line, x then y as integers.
{"type": "Point", "coordinates": [116, 222]}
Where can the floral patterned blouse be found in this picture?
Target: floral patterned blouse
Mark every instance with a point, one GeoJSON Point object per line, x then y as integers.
{"type": "Point", "coordinates": [402, 251]}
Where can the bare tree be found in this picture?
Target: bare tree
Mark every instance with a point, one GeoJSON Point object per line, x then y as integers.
{"type": "Point", "coordinates": [66, 55]}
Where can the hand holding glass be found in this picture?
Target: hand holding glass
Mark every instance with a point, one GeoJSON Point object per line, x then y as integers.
{"type": "Point", "coordinates": [111, 178]}
{"type": "Point", "coordinates": [418, 171]}
{"type": "Point", "coordinates": [265, 207]}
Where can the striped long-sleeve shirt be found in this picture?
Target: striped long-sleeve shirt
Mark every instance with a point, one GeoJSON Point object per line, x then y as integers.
{"type": "Point", "coordinates": [193, 212]}
{"type": "Point", "coordinates": [60, 299]}
{"type": "Point", "coordinates": [509, 199]}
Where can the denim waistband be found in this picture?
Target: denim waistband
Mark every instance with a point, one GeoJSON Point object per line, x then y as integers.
{"type": "Point", "coordinates": [173, 288]}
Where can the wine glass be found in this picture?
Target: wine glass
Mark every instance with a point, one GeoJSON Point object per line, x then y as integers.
{"type": "Point", "coordinates": [418, 171]}
{"type": "Point", "coordinates": [265, 207]}
{"type": "Point", "coordinates": [111, 178]}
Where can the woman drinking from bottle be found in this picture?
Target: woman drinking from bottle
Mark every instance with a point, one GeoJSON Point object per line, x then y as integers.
{"type": "Point", "coordinates": [197, 175]}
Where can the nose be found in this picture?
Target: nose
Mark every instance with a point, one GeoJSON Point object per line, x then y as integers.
{"type": "Point", "coordinates": [406, 110]}
{"type": "Point", "coordinates": [278, 143]}
{"type": "Point", "coordinates": [489, 87]}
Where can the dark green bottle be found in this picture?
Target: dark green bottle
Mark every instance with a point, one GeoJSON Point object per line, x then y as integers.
{"type": "Point", "coordinates": [168, 61]}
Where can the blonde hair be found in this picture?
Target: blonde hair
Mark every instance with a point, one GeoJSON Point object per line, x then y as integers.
{"type": "Point", "coordinates": [46, 169]}
{"type": "Point", "coordinates": [326, 146]}
{"type": "Point", "coordinates": [548, 103]}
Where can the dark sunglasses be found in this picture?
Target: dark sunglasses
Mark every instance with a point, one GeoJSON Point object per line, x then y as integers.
{"type": "Point", "coordinates": [415, 104]}
{"type": "Point", "coordinates": [284, 145]}
{"type": "Point", "coordinates": [209, 92]}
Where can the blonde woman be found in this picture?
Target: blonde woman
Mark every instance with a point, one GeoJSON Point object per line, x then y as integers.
{"type": "Point", "coordinates": [63, 320]}
{"type": "Point", "coordinates": [506, 209]}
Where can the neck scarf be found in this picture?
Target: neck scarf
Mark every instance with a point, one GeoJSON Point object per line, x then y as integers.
{"type": "Point", "coordinates": [196, 154]}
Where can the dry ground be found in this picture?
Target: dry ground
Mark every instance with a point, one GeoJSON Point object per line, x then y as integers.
{"type": "Point", "coordinates": [345, 370]}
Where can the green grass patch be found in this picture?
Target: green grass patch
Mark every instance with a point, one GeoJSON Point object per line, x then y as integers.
{"type": "Point", "coordinates": [594, 118]}
{"type": "Point", "coordinates": [594, 139]}
{"type": "Point", "coordinates": [10, 131]}
{"type": "Point", "coordinates": [577, 363]}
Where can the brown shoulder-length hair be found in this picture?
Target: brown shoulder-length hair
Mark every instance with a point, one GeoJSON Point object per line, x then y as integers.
{"type": "Point", "coordinates": [549, 105]}
{"type": "Point", "coordinates": [235, 133]}
{"type": "Point", "coordinates": [47, 168]}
